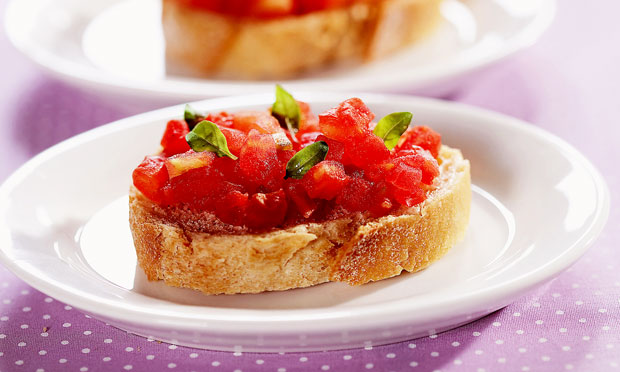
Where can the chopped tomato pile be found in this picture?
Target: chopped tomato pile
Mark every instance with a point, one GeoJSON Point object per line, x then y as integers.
{"type": "Point", "coordinates": [358, 174]}
{"type": "Point", "coordinates": [267, 8]}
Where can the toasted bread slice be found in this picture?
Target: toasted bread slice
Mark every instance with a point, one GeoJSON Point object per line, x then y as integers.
{"type": "Point", "coordinates": [355, 249]}
{"type": "Point", "coordinates": [204, 43]}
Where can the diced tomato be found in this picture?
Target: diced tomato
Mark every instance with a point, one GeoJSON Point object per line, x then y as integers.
{"type": "Point", "coordinates": [309, 122]}
{"type": "Point", "coordinates": [150, 177]}
{"type": "Point", "coordinates": [234, 139]}
{"type": "Point", "coordinates": [366, 150]}
{"type": "Point", "coordinates": [422, 159]}
{"type": "Point", "coordinates": [266, 210]}
{"type": "Point", "coordinates": [421, 136]}
{"type": "Point", "coordinates": [378, 172]}
{"type": "Point", "coordinates": [355, 195]}
{"type": "Point", "coordinates": [193, 185]}
{"type": "Point", "coordinates": [222, 119]}
{"type": "Point", "coordinates": [346, 122]}
{"type": "Point", "coordinates": [325, 180]}
{"type": "Point", "coordinates": [409, 197]}
{"type": "Point", "coordinates": [308, 138]}
{"type": "Point", "coordinates": [231, 207]}
{"type": "Point", "coordinates": [178, 164]}
{"type": "Point", "coordinates": [336, 150]}
{"type": "Point", "coordinates": [259, 163]}
{"type": "Point", "coordinates": [405, 177]}
{"type": "Point", "coordinates": [381, 202]}
{"type": "Point", "coordinates": [173, 141]}
{"type": "Point", "coordinates": [262, 121]}
{"type": "Point", "coordinates": [296, 192]}
{"type": "Point", "coordinates": [284, 156]}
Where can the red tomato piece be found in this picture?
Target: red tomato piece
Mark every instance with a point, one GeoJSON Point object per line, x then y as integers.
{"type": "Point", "coordinates": [222, 119]}
{"type": "Point", "coordinates": [422, 159]}
{"type": "Point", "coordinates": [150, 177]}
{"type": "Point", "coordinates": [193, 185]}
{"type": "Point", "coordinates": [231, 207]}
{"type": "Point", "coordinates": [266, 210]}
{"type": "Point", "coordinates": [409, 197]}
{"type": "Point", "coordinates": [178, 164]}
{"type": "Point", "coordinates": [325, 180]}
{"type": "Point", "coordinates": [405, 177]}
{"type": "Point", "coordinates": [259, 163]}
{"type": "Point", "coordinates": [366, 150]}
{"type": "Point", "coordinates": [336, 150]}
{"type": "Point", "coordinates": [355, 196]}
{"type": "Point", "coordinates": [346, 122]}
{"type": "Point", "coordinates": [261, 121]}
{"type": "Point", "coordinates": [421, 136]}
{"type": "Point", "coordinates": [381, 202]}
{"type": "Point", "coordinates": [309, 122]}
{"type": "Point", "coordinates": [234, 139]}
{"type": "Point", "coordinates": [296, 192]}
{"type": "Point", "coordinates": [173, 141]}
{"type": "Point", "coordinates": [308, 138]}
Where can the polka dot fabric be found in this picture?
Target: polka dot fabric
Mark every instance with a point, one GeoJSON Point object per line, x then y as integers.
{"type": "Point", "coordinates": [570, 324]}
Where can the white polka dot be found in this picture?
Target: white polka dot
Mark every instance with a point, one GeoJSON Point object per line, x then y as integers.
{"type": "Point", "coordinates": [87, 333]}
{"type": "Point", "coordinates": [525, 368]}
{"type": "Point", "coordinates": [458, 362]}
{"type": "Point", "coordinates": [578, 302]}
{"type": "Point", "coordinates": [106, 359]}
{"type": "Point", "coordinates": [40, 370]}
{"type": "Point", "coordinates": [260, 361]}
{"type": "Point", "coordinates": [522, 350]}
{"type": "Point", "coordinates": [370, 366]}
{"type": "Point", "coordinates": [325, 367]}
{"type": "Point", "coordinates": [368, 347]}
{"type": "Point", "coordinates": [501, 360]}
{"type": "Point", "coordinates": [478, 352]}
{"type": "Point", "coordinates": [559, 312]}
{"type": "Point", "coordinates": [85, 350]}
{"type": "Point", "coordinates": [434, 354]}
{"type": "Point", "coordinates": [108, 340]}
{"type": "Point", "coordinates": [48, 300]}
{"type": "Point", "coordinates": [605, 328]}
{"type": "Point", "coordinates": [21, 344]}
{"type": "Point", "coordinates": [4, 318]}
{"type": "Point", "coordinates": [555, 295]}
{"type": "Point", "coordinates": [24, 326]}
{"type": "Point", "coordinates": [575, 285]}
{"type": "Point", "coordinates": [238, 370]}
{"type": "Point", "coordinates": [44, 334]}
{"type": "Point", "coordinates": [129, 349]}
{"type": "Point", "coordinates": [46, 316]}
{"type": "Point", "coordinates": [172, 365]}
{"type": "Point", "coordinates": [582, 320]}
{"type": "Point", "coordinates": [586, 338]}
{"type": "Point", "coordinates": [432, 336]}
{"type": "Point", "coordinates": [481, 370]}
{"type": "Point", "coordinates": [516, 314]}
{"type": "Point", "coordinates": [172, 347]}
{"type": "Point", "coordinates": [566, 348]}
{"type": "Point", "coordinates": [499, 342]}
{"type": "Point", "coordinates": [2, 335]}
{"type": "Point", "coordinates": [42, 352]}
{"type": "Point", "coordinates": [476, 334]}
{"type": "Point", "coordinates": [391, 356]}
{"type": "Point", "coordinates": [456, 343]}
{"type": "Point", "coordinates": [67, 307]}
{"type": "Point", "coordinates": [26, 309]}
{"type": "Point", "coordinates": [215, 363]}
{"type": "Point", "coordinates": [411, 346]}
{"type": "Point", "coordinates": [589, 356]}
{"type": "Point", "coordinates": [62, 360]}
{"type": "Point", "coordinates": [66, 325]}
{"type": "Point", "coordinates": [413, 364]}
{"type": "Point", "coordinates": [19, 362]}
{"type": "Point", "coordinates": [6, 302]}
{"type": "Point", "coordinates": [281, 369]}
{"type": "Point", "coordinates": [542, 340]}
{"type": "Point", "coordinates": [563, 330]}
{"type": "Point", "coordinates": [536, 304]}
{"type": "Point", "coordinates": [64, 342]}
{"type": "Point", "coordinates": [128, 367]}
{"type": "Point", "coordinates": [237, 353]}
{"type": "Point", "coordinates": [539, 322]}
{"type": "Point", "coordinates": [568, 366]}
{"type": "Point", "coordinates": [151, 357]}
{"type": "Point", "coordinates": [519, 331]}
{"type": "Point", "coordinates": [602, 310]}
{"type": "Point", "coordinates": [609, 346]}
{"type": "Point", "coordinates": [83, 369]}
{"type": "Point", "coordinates": [545, 358]}
{"type": "Point", "coordinates": [496, 324]}
{"type": "Point", "coordinates": [193, 355]}
{"type": "Point", "coordinates": [303, 359]}
{"type": "Point", "coordinates": [347, 357]}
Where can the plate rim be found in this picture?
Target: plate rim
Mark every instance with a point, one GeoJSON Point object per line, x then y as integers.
{"type": "Point", "coordinates": [293, 319]}
{"type": "Point", "coordinates": [82, 74]}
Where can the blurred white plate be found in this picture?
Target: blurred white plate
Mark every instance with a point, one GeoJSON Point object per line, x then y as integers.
{"type": "Point", "coordinates": [537, 205]}
{"type": "Point", "coordinates": [117, 45]}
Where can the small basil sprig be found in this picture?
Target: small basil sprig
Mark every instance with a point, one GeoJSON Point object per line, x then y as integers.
{"type": "Point", "coordinates": [286, 110]}
{"type": "Point", "coordinates": [392, 126]}
{"type": "Point", "coordinates": [305, 159]}
{"type": "Point", "coordinates": [206, 136]}
{"type": "Point", "coordinates": [191, 116]}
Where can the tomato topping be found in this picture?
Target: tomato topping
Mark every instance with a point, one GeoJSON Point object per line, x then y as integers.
{"type": "Point", "coordinates": [421, 136]}
{"type": "Point", "coordinates": [150, 177]}
{"type": "Point", "coordinates": [357, 173]}
{"type": "Point", "coordinates": [347, 122]}
{"type": "Point", "coordinates": [325, 180]}
{"type": "Point", "coordinates": [173, 140]}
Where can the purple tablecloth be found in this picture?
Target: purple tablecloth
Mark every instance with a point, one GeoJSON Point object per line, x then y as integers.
{"type": "Point", "coordinates": [569, 84]}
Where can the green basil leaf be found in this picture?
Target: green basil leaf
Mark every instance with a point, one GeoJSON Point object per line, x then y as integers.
{"type": "Point", "coordinates": [392, 126]}
{"type": "Point", "coordinates": [206, 136]}
{"type": "Point", "coordinates": [286, 110]}
{"type": "Point", "coordinates": [191, 116]}
{"type": "Point", "coordinates": [305, 159]}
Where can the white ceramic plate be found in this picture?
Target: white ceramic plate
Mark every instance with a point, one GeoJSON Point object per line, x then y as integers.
{"type": "Point", "coordinates": [537, 205]}
{"type": "Point", "coordinates": [118, 45]}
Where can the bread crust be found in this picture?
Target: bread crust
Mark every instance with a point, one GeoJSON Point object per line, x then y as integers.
{"type": "Point", "coordinates": [204, 43]}
{"type": "Point", "coordinates": [355, 249]}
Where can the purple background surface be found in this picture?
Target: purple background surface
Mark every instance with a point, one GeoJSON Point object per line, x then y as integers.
{"type": "Point", "coordinates": [568, 84]}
